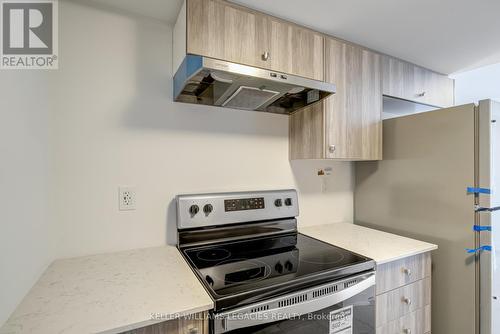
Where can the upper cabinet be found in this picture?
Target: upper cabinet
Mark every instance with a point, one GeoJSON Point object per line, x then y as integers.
{"type": "Point", "coordinates": [413, 83]}
{"type": "Point", "coordinates": [344, 126]}
{"type": "Point", "coordinates": [347, 125]}
{"type": "Point", "coordinates": [225, 31]}
{"type": "Point", "coordinates": [218, 30]}
{"type": "Point", "coordinates": [354, 114]}
{"type": "Point", "coordinates": [295, 50]}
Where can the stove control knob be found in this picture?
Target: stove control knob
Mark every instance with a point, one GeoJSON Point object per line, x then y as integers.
{"type": "Point", "coordinates": [288, 265]}
{"type": "Point", "coordinates": [193, 209]}
{"type": "Point", "coordinates": [279, 267]}
{"type": "Point", "coordinates": [288, 202]}
{"type": "Point", "coordinates": [208, 208]}
{"type": "Point", "coordinates": [209, 280]}
{"type": "Point", "coordinates": [278, 202]}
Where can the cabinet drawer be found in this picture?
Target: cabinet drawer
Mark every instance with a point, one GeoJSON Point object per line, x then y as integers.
{"type": "Point", "coordinates": [417, 322]}
{"type": "Point", "coordinates": [395, 274]}
{"type": "Point", "coordinates": [405, 300]}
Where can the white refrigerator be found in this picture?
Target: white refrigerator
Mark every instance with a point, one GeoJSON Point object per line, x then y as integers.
{"type": "Point", "coordinates": [439, 181]}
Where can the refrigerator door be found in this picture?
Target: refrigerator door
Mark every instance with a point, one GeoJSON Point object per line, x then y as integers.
{"type": "Point", "coordinates": [419, 190]}
{"type": "Point", "coordinates": [489, 178]}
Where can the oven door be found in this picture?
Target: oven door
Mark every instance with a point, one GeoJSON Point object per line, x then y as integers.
{"type": "Point", "coordinates": [342, 307]}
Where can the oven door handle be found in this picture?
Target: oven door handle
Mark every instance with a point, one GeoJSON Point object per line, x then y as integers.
{"type": "Point", "coordinates": [243, 318]}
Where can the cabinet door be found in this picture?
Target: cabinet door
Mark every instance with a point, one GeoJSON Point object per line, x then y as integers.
{"type": "Point", "coordinates": [353, 114]}
{"type": "Point", "coordinates": [398, 78]}
{"type": "Point", "coordinates": [433, 88]}
{"type": "Point", "coordinates": [229, 32]}
{"type": "Point", "coordinates": [307, 133]}
{"type": "Point", "coordinates": [219, 30]}
{"type": "Point", "coordinates": [307, 53]}
{"type": "Point", "coordinates": [296, 50]}
{"type": "Point", "coordinates": [439, 90]}
{"type": "Point", "coordinates": [414, 83]}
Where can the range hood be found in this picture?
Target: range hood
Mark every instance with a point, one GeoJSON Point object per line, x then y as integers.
{"type": "Point", "coordinates": [208, 81]}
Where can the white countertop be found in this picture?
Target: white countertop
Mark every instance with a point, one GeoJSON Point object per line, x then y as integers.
{"type": "Point", "coordinates": [109, 293]}
{"type": "Point", "coordinates": [380, 246]}
{"type": "Point", "coordinates": [112, 293]}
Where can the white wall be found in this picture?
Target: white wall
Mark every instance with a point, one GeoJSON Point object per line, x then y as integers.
{"type": "Point", "coordinates": [479, 84]}
{"type": "Point", "coordinates": [112, 122]}
{"type": "Point", "coordinates": [25, 232]}
{"type": "Point", "coordinates": [115, 124]}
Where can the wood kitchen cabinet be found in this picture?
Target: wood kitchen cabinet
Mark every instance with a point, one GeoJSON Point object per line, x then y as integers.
{"type": "Point", "coordinates": [295, 50]}
{"type": "Point", "coordinates": [226, 31]}
{"type": "Point", "coordinates": [347, 125]}
{"type": "Point", "coordinates": [218, 30]}
{"type": "Point", "coordinates": [411, 82]}
{"type": "Point", "coordinates": [403, 301]}
{"type": "Point", "coordinates": [194, 324]}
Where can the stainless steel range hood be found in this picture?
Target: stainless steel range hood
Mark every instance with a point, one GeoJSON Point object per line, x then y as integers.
{"type": "Point", "coordinates": [209, 81]}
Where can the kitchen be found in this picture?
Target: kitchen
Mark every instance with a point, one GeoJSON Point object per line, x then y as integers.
{"type": "Point", "coordinates": [74, 145]}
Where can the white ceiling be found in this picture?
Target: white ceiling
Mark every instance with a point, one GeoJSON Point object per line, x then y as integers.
{"type": "Point", "coordinates": [444, 35]}
{"type": "Point", "coordinates": [164, 10]}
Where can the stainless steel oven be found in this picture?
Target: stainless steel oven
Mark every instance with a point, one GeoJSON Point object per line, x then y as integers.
{"type": "Point", "coordinates": [264, 276]}
{"type": "Point", "coordinates": [343, 307]}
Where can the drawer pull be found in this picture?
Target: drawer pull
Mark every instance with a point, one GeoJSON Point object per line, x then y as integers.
{"type": "Point", "coordinates": [407, 331]}
{"type": "Point", "coordinates": [407, 301]}
{"type": "Point", "coordinates": [407, 272]}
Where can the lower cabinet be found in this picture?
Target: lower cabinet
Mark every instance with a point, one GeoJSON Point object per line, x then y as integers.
{"type": "Point", "coordinates": [417, 322]}
{"type": "Point", "coordinates": [403, 302]}
{"type": "Point", "coordinates": [192, 324]}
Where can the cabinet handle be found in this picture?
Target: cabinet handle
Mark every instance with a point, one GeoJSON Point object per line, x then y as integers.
{"type": "Point", "coordinates": [265, 56]}
{"type": "Point", "coordinates": [422, 94]}
{"type": "Point", "coordinates": [407, 301]}
{"type": "Point", "coordinates": [332, 148]}
{"type": "Point", "coordinates": [193, 330]}
{"type": "Point", "coordinates": [407, 331]}
{"type": "Point", "coordinates": [407, 272]}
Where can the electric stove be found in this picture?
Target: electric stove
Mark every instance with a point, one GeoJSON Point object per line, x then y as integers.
{"type": "Point", "coordinates": [246, 251]}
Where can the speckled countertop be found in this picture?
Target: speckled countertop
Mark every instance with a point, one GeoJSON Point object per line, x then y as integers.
{"type": "Point", "coordinates": [110, 293]}
{"type": "Point", "coordinates": [115, 292]}
{"type": "Point", "coordinates": [380, 246]}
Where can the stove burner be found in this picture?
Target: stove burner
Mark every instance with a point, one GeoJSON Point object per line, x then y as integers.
{"type": "Point", "coordinates": [315, 258]}
{"type": "Point", "coordinates": [253, 270]}
{"type": "Point", "coordinates": [323, 258]}
{"type": "Point", "coordinates": [216, 254]}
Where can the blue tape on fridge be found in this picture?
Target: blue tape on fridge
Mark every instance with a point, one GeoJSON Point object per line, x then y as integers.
{"type": "Point", "coordinates": [479, 228]}
{"type": "Point", "coordinates": [482, 248]}
{"type": "Point", "coordinates": [473, 190]}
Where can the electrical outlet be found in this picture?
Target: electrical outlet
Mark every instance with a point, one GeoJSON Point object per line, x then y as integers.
{"type": "Point", "coordinates": [126, 198]}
